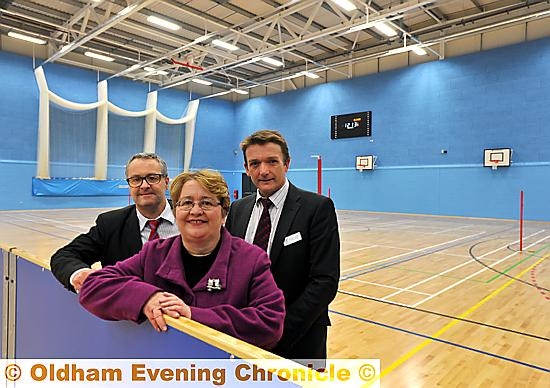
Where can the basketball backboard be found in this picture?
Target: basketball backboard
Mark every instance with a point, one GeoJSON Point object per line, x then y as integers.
{"type": "Point", "coordinates": [498, 157]}
{"type": "Point", "coordinates": [365, 162]}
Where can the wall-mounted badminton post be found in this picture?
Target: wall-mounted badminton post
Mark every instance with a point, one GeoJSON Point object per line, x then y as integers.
{"type": "Point", "coordinates": [521, 221]}
{"type": "Point", "coordinates": [319, 173]}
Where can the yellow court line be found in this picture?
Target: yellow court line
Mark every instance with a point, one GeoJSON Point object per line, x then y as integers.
{"type": "Point", "coordinates": [437, 334]}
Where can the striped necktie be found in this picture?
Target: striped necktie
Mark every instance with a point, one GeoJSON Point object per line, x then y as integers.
{"type": "Point", "coordinates": [263, 231]}
{"type": "Point", "coordinates": [153, 225]}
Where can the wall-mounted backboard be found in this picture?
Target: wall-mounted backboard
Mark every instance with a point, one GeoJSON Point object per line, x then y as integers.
{"type": "Point", "coordinates": [497, 157]}
{"type": "Point", "coordinates": [365, 162]}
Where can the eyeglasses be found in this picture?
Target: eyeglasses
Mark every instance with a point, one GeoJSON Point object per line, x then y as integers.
{"type": "Point", "coordinates": [137, 181]}
{"type": "Point", "coordinates": [205, 204]}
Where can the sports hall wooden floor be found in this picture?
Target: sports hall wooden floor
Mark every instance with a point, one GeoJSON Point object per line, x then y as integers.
{"type": "Point", "coordinates": [441, 301]}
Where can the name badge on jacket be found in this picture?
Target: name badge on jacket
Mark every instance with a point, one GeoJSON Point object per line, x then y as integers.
{"type": "Point", "coordinates": [293, 238]}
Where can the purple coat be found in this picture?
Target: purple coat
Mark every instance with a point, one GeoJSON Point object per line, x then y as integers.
{"type": "Point", "coordinates": [248, 305]}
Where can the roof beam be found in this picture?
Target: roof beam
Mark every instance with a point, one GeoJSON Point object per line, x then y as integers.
{"type": "Point", "coordinates": [126, 12]}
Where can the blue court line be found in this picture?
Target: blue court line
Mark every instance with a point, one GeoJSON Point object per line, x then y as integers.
{"type": "Point", "coordinates": [443, 341]}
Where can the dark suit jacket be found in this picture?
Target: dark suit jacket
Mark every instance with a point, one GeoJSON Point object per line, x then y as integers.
{"type": "Point", "coordinates": [114, 237]}
{"type": "Point", "coordinates": [307, 271]}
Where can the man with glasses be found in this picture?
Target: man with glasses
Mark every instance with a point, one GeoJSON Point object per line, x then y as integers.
{"type": "Point", "coordinates": [119, 234]}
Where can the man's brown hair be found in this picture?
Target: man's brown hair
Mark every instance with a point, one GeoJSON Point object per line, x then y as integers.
{"type": "Point", "coordinates": [266, 136]}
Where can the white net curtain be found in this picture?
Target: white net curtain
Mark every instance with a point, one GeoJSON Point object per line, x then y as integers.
{"type": "Point", "coordinates": [103, 106]}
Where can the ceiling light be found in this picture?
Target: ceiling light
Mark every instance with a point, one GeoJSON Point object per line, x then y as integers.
{"type": "Point", "coordinates": [66, 47]}
{"type": "Point", "coordinates": [153, 71]}
{"type": "Point", "coordinates": [127, 10]}
{"type": "Point", "coordinates": [201, 39]}
{"type": "Point", "coordinates": [98, 56]}
{"type": "Point", "coordinates": [217, 94]}
{"type": "Point", "coordinates": [418, 50]}
{"type": "Point", "coordinates": [133, 67]}
{"type": "Point", "coordinates": [163, 23]}
{"type": "Point", "coordinates": [309, 74]}
{"type": "Point", "coordinates": [272, 61]}
{"type": "Point", "coordinates": [252, 60]}
{"type": "Point", "coordinates": [361, 27]}
{"type": "Point", "coordinates": [225, 45]}
{"type": "Point", "coordinates": [239, 91]}
{"type": "Point", "coordinates": [28, 38]}
{"type": "Point", "coordinates": [345, 4]}
{"type": "Point", "coordinates": [201, 81]}
{"type": "Point", "coordinates": [180, 83]}
{"type": "Point", "coordinates": [385, 29]}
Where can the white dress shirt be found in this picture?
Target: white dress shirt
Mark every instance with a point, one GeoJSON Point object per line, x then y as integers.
{"type": "Point", "coordinates": [278, 199]}
{"type": "Point", "coordinates": [167, 228]}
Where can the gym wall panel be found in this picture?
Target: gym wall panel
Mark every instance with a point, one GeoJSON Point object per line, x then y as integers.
{"type": "Point", "coordinates": [392, 62]}
{"type": "Point", "coordinates": [365, 68]}
{"type": "Point", "coordinates": [463, 46]}
{"type": "Point", "coordinates": [506, 36]}
{"type": "Point", "coordinates": [491, 99]}
{"type": "Point", "coordinates": [418, 59]}
{"type": "Point", "coordinates": [538, 29]}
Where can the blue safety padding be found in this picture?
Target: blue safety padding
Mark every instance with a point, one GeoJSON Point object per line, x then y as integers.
{"type": "Point", "coordinates": [78, 187]}
{"type": "Point", "coordinates": [51, 323]}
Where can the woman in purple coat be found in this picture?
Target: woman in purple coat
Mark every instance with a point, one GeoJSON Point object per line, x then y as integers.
{"type": "Point", "coordinates": [205, 274]}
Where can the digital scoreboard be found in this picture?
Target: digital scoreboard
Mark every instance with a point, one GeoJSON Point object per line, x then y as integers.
{"type": "Point", "coordinates": [351, 125]}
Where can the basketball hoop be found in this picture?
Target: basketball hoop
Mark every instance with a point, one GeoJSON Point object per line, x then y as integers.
{"type": "Point", "coordinates": [494, 164]}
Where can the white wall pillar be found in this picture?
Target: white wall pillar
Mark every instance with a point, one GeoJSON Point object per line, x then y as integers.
{"type": "Point", "coordinates": [150, 137]}
{"type": "Point", "coordinates": [102, 133]}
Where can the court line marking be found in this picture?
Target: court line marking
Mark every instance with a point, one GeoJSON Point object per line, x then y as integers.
{"type": "Point", "coordinates": [470, 276]}
{"type": "Point", "coordinates": [357, 249]}
{"type": "Point", "coordinates": [386, 286]}
{"type": "Point", "coordinates": [449, 325]}
{"type": "Point", "coordinates": [392, 247]}
{"type": "Point", "coordinates": [452, 269]}
{"type": "Point", "coordinates": [437, 275]}
{"type": "Point", "coordinates": [453, 229]}
{"type": "Point", "coordinates": [351, 242]}
{"type": "Point", "coordinates": [58, 224]}
{"type": "Point", "coordinates": [342, 230]}
{"type": "Point", "coordinates": [431, 273]}
{"type": "Point", "coordinates": [393, 224]}
{"type": "Point", "coordinates": [433, 312]}
{"type": "Point", "coordinates": [355, 220]}
{"type": "Point", "coordinates": [38, 230]}
{"type": "Point", "coordinates": [516, 264]}
{"type": "Point", "coordinates": [412, 252]}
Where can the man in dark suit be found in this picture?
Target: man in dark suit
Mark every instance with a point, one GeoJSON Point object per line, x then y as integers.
{"type": "Point", "coordinates": [303, 243]}
{"type": "Point", "coordinates": [119, 234]}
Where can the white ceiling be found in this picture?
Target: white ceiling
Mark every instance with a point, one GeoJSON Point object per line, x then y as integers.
{"type": "Point", "coordinates": [310, 35]}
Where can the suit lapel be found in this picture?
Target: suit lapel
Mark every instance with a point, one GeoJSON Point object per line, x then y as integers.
{"type": "Point", "coordinates": [242, 222]}
{"type": "Point", "coordinates": [290, 209]}
{"type": "Point", "coordinates": [132, 226]}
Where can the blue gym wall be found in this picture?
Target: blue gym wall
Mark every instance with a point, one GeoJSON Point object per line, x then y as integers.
{"type": "Point", "coordinates": [496, 98]}
{"type": "Point", "coordinates": [74, 137]}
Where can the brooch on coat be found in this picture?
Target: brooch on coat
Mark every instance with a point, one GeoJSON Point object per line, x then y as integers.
{"type": "Point", "coordinates": [213, 285]}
